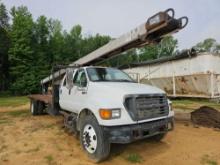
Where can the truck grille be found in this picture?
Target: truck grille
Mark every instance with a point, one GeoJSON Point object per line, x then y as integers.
{"type": "Point", "coordinates": [142, 107]}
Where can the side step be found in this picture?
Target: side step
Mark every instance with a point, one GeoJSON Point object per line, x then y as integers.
{"type": "Point", "coordinates": [69, 121]}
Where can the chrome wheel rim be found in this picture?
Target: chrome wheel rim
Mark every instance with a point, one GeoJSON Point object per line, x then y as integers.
{"type": "Point", "coordinates": [89, 138]}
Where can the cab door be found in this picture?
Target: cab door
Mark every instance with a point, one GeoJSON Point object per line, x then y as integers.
{"type": "Point", "coordinates": [79, 91]}
{"type": "Point", "coordinates": [65, 90]}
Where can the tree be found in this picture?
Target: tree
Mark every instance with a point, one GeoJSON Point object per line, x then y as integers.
{"type": "Point", "coordinates": [21, 53]}
{"type": "Point", "coordinates": [148, 53]}
{"type": "Point", "coordinates": [41, 47]}
{"type": "Point", "coordinates": [208, 45]}
{"type": "Point", "coordinates": [4, 18]}
{"type": "Point", "coordinates": [4, 46]}
{"type": "Point", "coordinates": [91, 43]}
{"type": "Point", "coordinates": [72, 45]}
{"type": "Point", "coordinates": [56, 42]}
{"type": "Point", "coordinates": [77, 46]}
{"type": "Point", "coordinates": [167, 46]}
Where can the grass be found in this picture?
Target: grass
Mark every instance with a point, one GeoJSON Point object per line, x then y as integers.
{"type": "Point", "coordinates": [13, 101]}
{"type": "Point", "coordinates": [134, 158]}
{"type": "Point", "coordinates": [49, 126]}
{"type": "Point", "coordinates": [206, 160]}
{"type": "Point", "coordinates": [49, 159]}
{"type": "Point", "coordinates": [36, 149]}
{"type": "Point", "coordinates": [3, 121]}
{"type": "Point", "coordinates": [20, 113]}
{"type": "Point", "coordinates": [192, 104]}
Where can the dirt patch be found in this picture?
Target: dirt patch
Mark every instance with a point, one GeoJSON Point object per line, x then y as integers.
{"type": "Point", "coordinates": [206, 116]}
{"type": "Point", "coordinates": [30, 140]}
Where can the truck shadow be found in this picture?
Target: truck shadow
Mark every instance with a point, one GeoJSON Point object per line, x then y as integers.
{"type": "Point", "coordinates": [141, 147]}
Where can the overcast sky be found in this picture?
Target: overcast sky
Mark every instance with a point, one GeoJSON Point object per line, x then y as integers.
{"type": "Point", "coordinates": [115, 17]}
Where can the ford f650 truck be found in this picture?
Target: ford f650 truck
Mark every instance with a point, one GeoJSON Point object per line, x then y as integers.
{"type": "Point", "coordinates": [104, 105]}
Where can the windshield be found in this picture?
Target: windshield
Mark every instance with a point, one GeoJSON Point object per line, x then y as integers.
{"type": "Point", "coordinates": [108, 74]}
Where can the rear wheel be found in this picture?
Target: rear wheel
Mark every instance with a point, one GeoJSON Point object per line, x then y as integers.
{"type": "Point", "coordinates": [40, 107]}
{"type": "Point", "coordinates": [93, 140]}
{"type": "Point", "coordinates": [34, 107]}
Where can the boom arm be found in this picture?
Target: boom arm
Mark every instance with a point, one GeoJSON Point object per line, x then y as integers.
{"type": "Point", "coordinates": [152, 31]}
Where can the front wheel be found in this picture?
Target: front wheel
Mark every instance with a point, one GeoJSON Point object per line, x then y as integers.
{"type": "Point", "coordinates": [93, 140]}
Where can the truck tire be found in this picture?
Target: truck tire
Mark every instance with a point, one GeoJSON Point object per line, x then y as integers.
{"type": "Point", "coordinates": [40, 107]}
{"type": "Point", "coordinates": [34, 107]}
{"type": "Point", "coordinates": [158, 137]}
{"type": "Point", "coordinates": [93, 140]}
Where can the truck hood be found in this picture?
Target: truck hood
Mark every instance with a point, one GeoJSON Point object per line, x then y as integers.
{"type": "Point", "coordinates": [126, 88]}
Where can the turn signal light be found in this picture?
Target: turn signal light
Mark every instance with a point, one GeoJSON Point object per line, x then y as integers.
{"type": "Point", "coordinates": [107, 114]}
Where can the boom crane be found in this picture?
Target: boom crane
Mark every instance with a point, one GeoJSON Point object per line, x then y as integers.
{"type": "Point", "coordinates": [151, 32]}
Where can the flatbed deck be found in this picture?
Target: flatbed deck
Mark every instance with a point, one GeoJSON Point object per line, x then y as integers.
{"type": "Point", "coordinates": [46, 98]}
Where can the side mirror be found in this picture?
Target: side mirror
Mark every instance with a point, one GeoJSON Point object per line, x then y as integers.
{"type": "Point", "coordinates": [69, 78]}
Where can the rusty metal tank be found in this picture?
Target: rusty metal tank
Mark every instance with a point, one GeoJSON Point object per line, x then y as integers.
{"type": "Point", "coordinates": [186, 75]}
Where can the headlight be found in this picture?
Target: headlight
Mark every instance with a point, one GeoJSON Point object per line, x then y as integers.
{"type": "Point", "coordinates": [170, 105]}
{"type": "Point", "coordinates": [107, 114]}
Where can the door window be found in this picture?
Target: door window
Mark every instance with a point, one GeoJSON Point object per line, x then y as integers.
{"type": "Point", "coordinates": [80, 79]}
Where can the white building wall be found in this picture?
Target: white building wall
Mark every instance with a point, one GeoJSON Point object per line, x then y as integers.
{"type": "Point", "coordinates": [197, 76]}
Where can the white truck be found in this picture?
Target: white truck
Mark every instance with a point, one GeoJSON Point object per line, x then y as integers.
{"type": "Point", "coordinates": [105, 105]}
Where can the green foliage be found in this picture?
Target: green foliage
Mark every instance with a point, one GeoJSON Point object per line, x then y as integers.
{"type": "Point", "coordinates": [4, 46]}
{"type": "Point", "coordinates": [148, 53]}
{"type": "Point", "coordinates": [20, 113]}
{"type": "Point", "coordinates": [167, 47]}
{"type": "Point", "coordinates": [36, 46]}
{"type": "Point", "coordinates": [4, 18]}
{"type": "Point", "coordinates": [208, 45]}
{"type": "Point", "coordinates": [206, 160]}
{"type": "Point", "coordinates": [13, 101]}
{"type": "Point", "coordinates": [21, 52]}
{"type": "Point", "coordinates": [134, 158]}
{"type": "Point", "coordinates": [49, 159]}
{"type": "Point", "coordinates": [192, 104]}
{"type": "Point", "coordinates": [5, 121]}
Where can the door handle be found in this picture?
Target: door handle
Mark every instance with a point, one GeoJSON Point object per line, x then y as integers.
{"type": "Point", "coordinates": [84, 92]}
